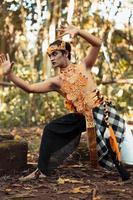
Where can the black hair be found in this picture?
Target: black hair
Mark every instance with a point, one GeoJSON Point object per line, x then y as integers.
{"type": "Point", "coordinates": [67, 47]}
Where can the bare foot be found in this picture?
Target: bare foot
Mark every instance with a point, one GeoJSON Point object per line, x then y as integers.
{"type": "Point", "coordinates": [33, 176]}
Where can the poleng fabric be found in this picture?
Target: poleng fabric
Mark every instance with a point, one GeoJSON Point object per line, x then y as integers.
{"type": "Point", "coordinates": [103, 133]}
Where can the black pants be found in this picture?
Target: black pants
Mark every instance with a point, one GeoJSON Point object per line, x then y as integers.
{"type": "Point", "coordinates": [60, 138]}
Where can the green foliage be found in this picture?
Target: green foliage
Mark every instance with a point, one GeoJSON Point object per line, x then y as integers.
{"type": "Point", "coordinates": [22, 109]}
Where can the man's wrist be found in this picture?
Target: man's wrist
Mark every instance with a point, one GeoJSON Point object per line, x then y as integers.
{"type": "Point", "coordinates": [9, 74]}
{"type": "Point", "coordinates": [78, 32]}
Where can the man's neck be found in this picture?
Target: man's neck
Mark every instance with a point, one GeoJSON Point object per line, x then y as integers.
{"type": "Point", "coordinates": [66, 64]}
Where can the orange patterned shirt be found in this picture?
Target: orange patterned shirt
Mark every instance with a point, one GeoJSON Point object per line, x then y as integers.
{"type": "Point", "coordinates": [79, 89]}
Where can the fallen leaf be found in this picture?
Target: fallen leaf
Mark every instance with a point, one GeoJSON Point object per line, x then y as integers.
{"type": "Point", "coordinates": [17, 137]}
{"type": "Point", "coordinates": [60, 181]}
{"type": "Point", "coordinates": [63, 181]}
{"type": "Point", "coordinates": [22, 196]}
{"type": "Point", "coordinates": [8, 190]}
{"type": "Point", "coordinates": [27, 188]}
{"type": "Point", "coordinates": [76, 166]}
{"type": "Point", "coordinates": [16, 185]}
{"type": "Point", "coordinates": [82, 189]}
{"type": "Point", "coordinates": [76, 190]}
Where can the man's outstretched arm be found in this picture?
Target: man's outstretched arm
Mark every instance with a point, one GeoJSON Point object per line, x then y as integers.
{"type": "Point", "coordinates": [42, 87]}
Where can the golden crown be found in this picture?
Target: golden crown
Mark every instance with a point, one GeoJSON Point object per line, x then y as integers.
{"type": "Point", "coordinates": [56, 47]}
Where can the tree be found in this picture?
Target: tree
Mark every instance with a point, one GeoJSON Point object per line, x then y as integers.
{"type": "Point", "coordinates": [27, 28]}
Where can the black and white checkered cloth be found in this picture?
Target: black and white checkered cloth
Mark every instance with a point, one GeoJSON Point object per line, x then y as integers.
{"type": "Point", "coordinates": [102, 131]}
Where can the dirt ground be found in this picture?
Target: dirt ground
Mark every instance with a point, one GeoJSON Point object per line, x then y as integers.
{"type": "Point", "coordinates": [74, 180]}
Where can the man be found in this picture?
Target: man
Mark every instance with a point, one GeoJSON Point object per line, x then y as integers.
{"type": "Point", "coordinates": [60, 137]}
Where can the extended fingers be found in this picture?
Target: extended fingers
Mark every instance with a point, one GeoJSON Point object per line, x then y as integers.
{"type": "Point", "coordinates": [8, 58]}
{"type": "Point", "coordinates": [2, 58]}
{"type": "Point", "coordinates": [62, 34]}
{"type": "Point", "coordinates": [65, 25]}
{"type": "Point", "coordinates": [60, 29]}
{"type": "Point", "coordinates": [62, 26]}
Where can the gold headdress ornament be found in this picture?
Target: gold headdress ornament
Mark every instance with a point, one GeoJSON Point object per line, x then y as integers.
{"type": "Point", "coordinates": [56, 47]}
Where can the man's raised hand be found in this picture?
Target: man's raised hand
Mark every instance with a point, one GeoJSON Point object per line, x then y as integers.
{"type": "Point", "coordinates": [5, 64]}
{"type": "Point", "coordinates": [68, 29]}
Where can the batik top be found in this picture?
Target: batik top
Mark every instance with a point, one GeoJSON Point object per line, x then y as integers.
{"type": "Point", "coordinates": [80, 91]}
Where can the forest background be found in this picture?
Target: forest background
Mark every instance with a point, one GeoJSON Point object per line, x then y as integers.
{"type": "Point", "coordinates": [26, 30]}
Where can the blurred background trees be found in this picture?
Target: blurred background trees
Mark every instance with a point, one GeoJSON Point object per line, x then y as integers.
{"type": "Point", "coordinates": [27, 28]}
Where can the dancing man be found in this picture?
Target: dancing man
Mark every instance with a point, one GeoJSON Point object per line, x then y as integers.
{"type": "Point", "coordinates": [90, 110]}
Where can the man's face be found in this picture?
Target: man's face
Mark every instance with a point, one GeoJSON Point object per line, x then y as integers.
{"type": "Point", "coordinates": [57, 58]}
